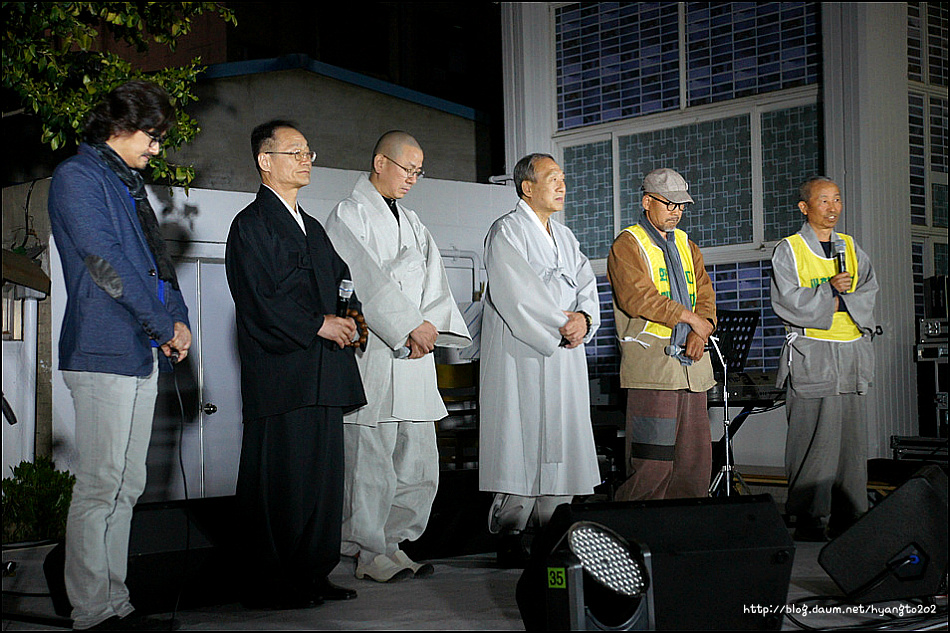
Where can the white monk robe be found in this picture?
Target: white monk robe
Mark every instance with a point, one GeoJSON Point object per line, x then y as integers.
{"type": "Point", "coordinates": [400, 280]}
{"type": "Point", "coordinates": [535, 430]}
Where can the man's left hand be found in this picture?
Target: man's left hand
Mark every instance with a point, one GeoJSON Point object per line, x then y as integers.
{"type": "Point", "coordinates": [424, 337]}
{"type": "Point", "coordinates": [841, 282]}
{"type": "Point", "coordinates": [695, 345]}
{"type": "Point", "coordinates": [180, 342]}
{"type": "Point", "coordinates": [574, 330]}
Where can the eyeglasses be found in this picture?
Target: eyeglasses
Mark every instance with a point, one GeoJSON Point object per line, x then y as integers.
{"type": "Point", "coordinates": [671, 206]}
{"type": "Point", "coordinates": [156, 139]}
{"type": "Point", "coordinates": [410, 173]}
{"type": "Point", "coordinates": [299, 155]}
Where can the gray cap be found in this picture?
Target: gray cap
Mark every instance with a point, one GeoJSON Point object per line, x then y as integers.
{"type": "Point", "coordinates": [668, 184]}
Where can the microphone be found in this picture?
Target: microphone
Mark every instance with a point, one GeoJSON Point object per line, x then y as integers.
{"type": "Point", "coordinates": [840, 248]}
{"type": "Point", "coordinates": [673, 350]}
{"type": "Point", "coordinates": [676, 350]}
{"type": "Point", "coordinates": [344, 292]}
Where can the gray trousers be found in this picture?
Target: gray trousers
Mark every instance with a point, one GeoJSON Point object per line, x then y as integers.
{"type": "Point", "coordinates": [826, 458]}
{"type": "Point", "coordinates": [392, 475]}
{"type": "Point", "coordinates": [514, 512]}
{"type": "Point", "coordinates": [113, 426]}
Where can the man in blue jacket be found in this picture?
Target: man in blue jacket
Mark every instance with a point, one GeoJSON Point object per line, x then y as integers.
{"type": "Point", "coordinates": [124, 312]}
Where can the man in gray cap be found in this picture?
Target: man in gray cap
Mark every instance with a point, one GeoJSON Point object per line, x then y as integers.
{"type": "Point", "coordinates": [665, 310]}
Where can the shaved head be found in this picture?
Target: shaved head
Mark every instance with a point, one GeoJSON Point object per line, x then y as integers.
{"type": "Point", "coordinates": [397, 164]}
{"type": "Point", "coordinates": [393, 142]}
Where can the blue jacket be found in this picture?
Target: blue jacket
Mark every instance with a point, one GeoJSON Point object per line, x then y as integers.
{"type": "Point", "coordinates": [113, 310]}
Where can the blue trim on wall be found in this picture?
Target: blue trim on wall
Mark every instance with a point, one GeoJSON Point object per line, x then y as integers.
{"type": "Point", "coordinates": [304, 62]}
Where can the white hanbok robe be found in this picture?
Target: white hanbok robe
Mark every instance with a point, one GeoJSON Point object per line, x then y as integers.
{"type": "Point", "coordinates": [400, 280]}
{"type": "Point", "coordinates": [535, 430]}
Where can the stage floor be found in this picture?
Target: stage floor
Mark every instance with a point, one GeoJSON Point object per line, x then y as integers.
{"type": "Point", "coordinates": [465, 593]}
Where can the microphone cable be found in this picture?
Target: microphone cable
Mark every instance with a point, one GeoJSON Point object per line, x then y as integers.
{"type": "Point", "coordinates": [184, 480]}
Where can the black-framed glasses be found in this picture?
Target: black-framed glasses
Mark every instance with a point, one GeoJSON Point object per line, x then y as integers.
{"type": "Point", "coordinates": [671, 206]}
{"type": "Point", "coordinates": [410, 173]}
{"type": "Point", "coordinates": [299, 155]}
{"type": "Point", "coordinates": [157, 139]}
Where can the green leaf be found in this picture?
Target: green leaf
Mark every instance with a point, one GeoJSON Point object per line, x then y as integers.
{"type": "Point", "coordinates": [55, 66]}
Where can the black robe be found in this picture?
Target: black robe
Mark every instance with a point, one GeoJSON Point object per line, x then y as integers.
{"type": "Point", "coordinates": [282, 283]}
{"type": "Point", "coordinates": [295, 387]}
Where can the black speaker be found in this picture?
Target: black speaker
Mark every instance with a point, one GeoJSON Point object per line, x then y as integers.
{"type": "Point", "coordinates": [716, 563]}
{"type": "Point", "coordinates": [180, 553]}
{"type": "Point", "coordinates": [899, 548]}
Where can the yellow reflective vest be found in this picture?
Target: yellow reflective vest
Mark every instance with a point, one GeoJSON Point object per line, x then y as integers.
{"type": "Point", "coordinates": [659, 274]}
{"type": "Point", "coordinates": [814, 270]}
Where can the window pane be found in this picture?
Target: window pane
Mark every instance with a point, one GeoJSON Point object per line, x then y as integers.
{"type": "Point", "coordinates": [746, 286]}
{"type": "Point", "coordinates": [615, 61]}
{"type": "Point", "coordinates": [791, 153]}
{"type": "Point", "coordinates": [589, 207]}
{"type": "Point", "coordinates": [736, 49]}
{"type": "Point", "coordinates": [715, 159]}
{"type": "Point", "coordinates": [918, 160]}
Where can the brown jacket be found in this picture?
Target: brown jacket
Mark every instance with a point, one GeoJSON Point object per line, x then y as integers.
{"type": "Point", "coordinates": [636, 302]}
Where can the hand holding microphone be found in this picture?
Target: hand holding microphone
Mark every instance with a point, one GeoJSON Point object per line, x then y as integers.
{"type": "Point", "coordinates": [839, 249]}
{"type": "Point", "coordinates": [842, 280]}
{"type": "Point", "coordinates": [343, 310]}
{"type": "Point", "coordinates": [694, 349]}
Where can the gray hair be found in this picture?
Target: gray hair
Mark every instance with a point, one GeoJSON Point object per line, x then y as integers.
{"type": "Point", "coordinates": [524, 170]}
{"type": "Point", "coordinates": [804, 190]}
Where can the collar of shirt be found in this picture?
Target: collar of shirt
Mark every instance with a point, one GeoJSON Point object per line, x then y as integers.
{"type": "Point", "coordinates": [294, 213]}
{"type": "Point", "coordinates": [537, 221]}
{"type": "Point", "coordinates": [391, 203]}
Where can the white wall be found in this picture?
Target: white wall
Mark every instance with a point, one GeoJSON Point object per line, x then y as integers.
{"type": "Point", "coordinates": [457, 214]}
{"type": "Point", "coordinates": [17, 439]}
{"type": "Point", "coordinates": [19, 389]}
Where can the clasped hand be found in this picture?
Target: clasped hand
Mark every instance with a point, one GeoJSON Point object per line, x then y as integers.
{"type": "Point", "coordinates": [574, 330]}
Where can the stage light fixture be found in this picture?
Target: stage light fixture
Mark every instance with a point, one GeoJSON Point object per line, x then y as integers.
{"type": "Point", "coordinates": [608, 558]}
{"type": "Point", "coordinates": [597, 580]}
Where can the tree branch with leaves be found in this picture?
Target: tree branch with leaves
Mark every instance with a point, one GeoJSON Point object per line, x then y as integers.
{"type": "Point", "coordinates": [51, 61]}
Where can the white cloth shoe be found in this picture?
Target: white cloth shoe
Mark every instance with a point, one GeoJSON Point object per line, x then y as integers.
{"type": "Point", "coordinates": [494, 524]}
{"type": "Point", "coordinates": [382, 569]}
{"type": "Point", "coordinates": [419, 570]}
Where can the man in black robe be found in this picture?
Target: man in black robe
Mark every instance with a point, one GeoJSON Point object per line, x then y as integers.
{"type": "Point", "coordinates": [298, 378]}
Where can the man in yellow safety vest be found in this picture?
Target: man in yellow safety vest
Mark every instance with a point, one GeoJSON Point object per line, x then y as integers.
{"type": "Point", "coordinates": [665, 310]}
{"type": "Point", "coordinates": [824, 288]}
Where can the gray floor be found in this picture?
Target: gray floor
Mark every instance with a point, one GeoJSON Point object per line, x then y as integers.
{"type": "Point", "coordinates": [466, 593]}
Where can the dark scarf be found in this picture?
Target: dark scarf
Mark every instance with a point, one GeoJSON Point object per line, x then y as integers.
{"type": "Point", "coordinates": [678, 286]}
{"type": "Point", "coordinates": [153, 233]}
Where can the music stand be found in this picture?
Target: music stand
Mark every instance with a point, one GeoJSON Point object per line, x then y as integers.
{"type": "Point", "coordinates": [734, 333]}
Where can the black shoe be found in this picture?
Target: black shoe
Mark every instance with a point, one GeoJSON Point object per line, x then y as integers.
{"type": "Point", "coordinates": [810, 534]}
{"type": "Point", "coordinates": [837, 527]}
{"type": "Point", "coordinates": [514, 549]}
{"type": "Point", "coordinates": [285, 601]}
{"type": "Point", "coordinates": [326, 590]}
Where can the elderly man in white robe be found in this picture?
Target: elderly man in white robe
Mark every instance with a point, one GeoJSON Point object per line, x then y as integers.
{"type": "Point", "coordinates": [536, 443]}
{"type": "Point", "coordinates": [824, 289]}
{"type": "Point", "coordinates": [391, 457]}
